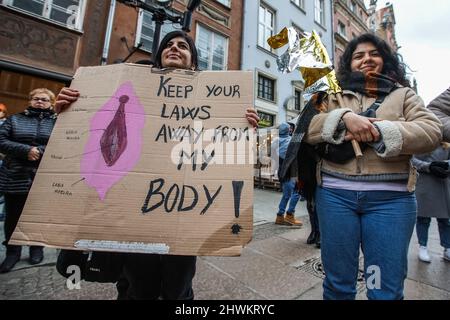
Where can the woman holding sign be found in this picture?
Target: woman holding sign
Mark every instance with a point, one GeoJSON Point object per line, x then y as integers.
{"type": "Point", "coordinates": [153, 276]}
{"type": "Point", "coordinates": [369, 202]}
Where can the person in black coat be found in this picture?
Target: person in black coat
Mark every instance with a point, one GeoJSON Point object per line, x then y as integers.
{"type": "Point", "coordinates": [23, 138]}
{"type": "Point", "coordinates": [433, 198]}
{"type": "Point", "coordinates": [3, 115]}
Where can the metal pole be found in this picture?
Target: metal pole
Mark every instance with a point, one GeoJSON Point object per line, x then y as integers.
{"type": "Point", "coordinates": [259, 161]}
{"type": "Point", "coordinates": [159, 20]}
{"type": "Point", "coordinates": [112, 10]}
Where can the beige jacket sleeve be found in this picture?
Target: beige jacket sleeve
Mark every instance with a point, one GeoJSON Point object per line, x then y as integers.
{"type": "Point", "coordinates": [409, 127]}
{"type": "Point", "coordinates": [420, 130]}
{"type": "Point", "coordinates": [440, 106]}
{"type": "Point", "coordinates": [323, 127]}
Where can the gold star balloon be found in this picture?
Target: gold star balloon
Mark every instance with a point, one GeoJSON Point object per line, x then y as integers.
{"type": "Point", "coordinates": [308, 55]}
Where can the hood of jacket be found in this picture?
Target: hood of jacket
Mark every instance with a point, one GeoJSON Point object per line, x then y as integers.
{"type": "Point", "coordinates": [283, 130]}
{"type": "Point", "coordinates": [284, 139]}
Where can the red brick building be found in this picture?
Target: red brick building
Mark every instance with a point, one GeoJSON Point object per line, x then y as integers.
{"type": "Point", "coordinates": [382, 22]}
{"type": "Point", "coordinates": [42, 43]}
{"type": "Point", "coordinates": [350, 21]}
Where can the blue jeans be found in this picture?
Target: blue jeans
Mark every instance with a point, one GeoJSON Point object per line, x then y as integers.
{"type": "Point", "coordinates": [423, 223]}
{"type": "Point", "coordinates": [289, 192]}
{"type": "Point", "coordinates": [381, 223]}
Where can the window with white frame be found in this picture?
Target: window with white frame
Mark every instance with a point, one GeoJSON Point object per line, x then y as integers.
{"type": "Point", "coordinates": [225, 2]}
{"type": "Point", "coordinates": [266, 26]}
{"type": "Point", "coordinates": [353, 7]}
{"type": "Point", "coordinates": [299, 3]}
{"type": "Point", "coordinates": [319, 11]}
{"type": "Point", "coordinates": [341, 29]}
{"type": "Point", "coordinates": [266, 88]}
{"type": "Point", "coordinates": [146, 30]}
{"type": "Point", "coordinates": [65, 12]}
{"type": "Point", "coordinates": [266, 120]}
{"type": "Point", "coordinates": [298, 99]}
{"type": "Point", "coordinates": [212, 49]}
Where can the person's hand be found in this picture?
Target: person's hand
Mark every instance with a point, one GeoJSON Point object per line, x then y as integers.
{"type": "Point", "coordinates": [440, 169]}
{"type": "Point", "coordinates": [34, 154]}
{"type": "Point", "coordinates": [252, 117]}
{"type": "Point", "coordinates": [65, 98]}
{"type": "Point", "coordinates": [360, 128]}
{"type": "Point", "coordinates": [442, 164]}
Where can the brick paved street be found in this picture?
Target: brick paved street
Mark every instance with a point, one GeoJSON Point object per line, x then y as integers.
{"type": "Point", "coordinates": [276, 265]}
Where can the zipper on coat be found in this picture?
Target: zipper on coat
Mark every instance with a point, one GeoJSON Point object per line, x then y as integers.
{"type": "Point", "coordinates": [38, 130]}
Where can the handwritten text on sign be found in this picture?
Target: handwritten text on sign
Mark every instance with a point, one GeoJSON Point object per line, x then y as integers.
{"type": "Point", "coordinates": [173, 197]}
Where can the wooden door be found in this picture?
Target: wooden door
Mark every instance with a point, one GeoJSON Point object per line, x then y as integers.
{"type": "Point", "coordinates": [15, 87]}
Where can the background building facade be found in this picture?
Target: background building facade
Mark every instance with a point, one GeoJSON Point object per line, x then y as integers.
{"type": "Point", "coordinates": [278, 97]}
{"type": "Point", "coordinates": [216, 28]}
{"type": "Point", "coordinates": [382, 22]}
{"type": "Point", "coordinates": [42, 43]}
{"type": "Point", "coordinates": [350, 21]}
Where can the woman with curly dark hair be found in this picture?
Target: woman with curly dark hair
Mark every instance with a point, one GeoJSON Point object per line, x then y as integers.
{"type": "Point", "coordinates": [393, 67]}
{"type": "Point", "coordinates": [369, 202]}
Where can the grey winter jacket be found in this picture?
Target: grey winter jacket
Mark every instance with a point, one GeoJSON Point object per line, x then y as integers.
{"type": "Point", "coordinates": [441, 108]}
{"type": "Point", "coordinates": [433, 194]}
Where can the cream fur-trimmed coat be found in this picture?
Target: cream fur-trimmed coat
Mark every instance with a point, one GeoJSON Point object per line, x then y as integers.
{"type": "Point", "coordinates": [407, 128]}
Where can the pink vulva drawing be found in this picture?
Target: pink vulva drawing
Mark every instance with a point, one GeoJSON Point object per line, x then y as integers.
{"type": "Point", "coordinates": [115, 142]}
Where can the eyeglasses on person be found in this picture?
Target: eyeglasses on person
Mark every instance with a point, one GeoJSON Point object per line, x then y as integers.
{"type": "Point", "coordinates": [40, 99]}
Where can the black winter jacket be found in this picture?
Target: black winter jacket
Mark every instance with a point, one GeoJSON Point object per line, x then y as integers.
{"type": "Point", "coordinates": [19, 133]}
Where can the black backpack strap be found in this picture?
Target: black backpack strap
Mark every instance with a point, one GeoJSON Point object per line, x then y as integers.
{"type": "Point", "coordinates": [371, 111]}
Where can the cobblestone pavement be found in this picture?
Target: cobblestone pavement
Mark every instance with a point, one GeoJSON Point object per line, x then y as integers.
{"type": "Point", "coordinates": [276, 265]}
{"type": "Point", "coordinates": [44, 283]}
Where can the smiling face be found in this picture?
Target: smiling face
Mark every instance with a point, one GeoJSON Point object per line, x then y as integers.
{"type": "Point", "coordinates": [177, 54]}
{"type": "Point", "coordinates": [366, 58]}
{"type": "Point", "coordinates": [40, 101]}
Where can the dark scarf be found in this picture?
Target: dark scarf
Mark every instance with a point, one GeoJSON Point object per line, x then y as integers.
{"type": "Point", "coordinates": [38, 112]}
{"type": "Point", "coordinates": [372, 85]}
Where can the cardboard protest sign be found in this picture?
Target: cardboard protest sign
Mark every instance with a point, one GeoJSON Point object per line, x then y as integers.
{"type": "Point", "coordinates": [151, 161]}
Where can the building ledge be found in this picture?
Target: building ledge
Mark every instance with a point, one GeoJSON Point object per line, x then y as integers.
{"type": "Point", "coordinates": [340, 38]}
